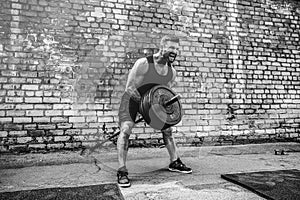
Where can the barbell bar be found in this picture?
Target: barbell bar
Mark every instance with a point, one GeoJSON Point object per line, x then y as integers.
{"type": "Point", "coordinates": [172, 100]}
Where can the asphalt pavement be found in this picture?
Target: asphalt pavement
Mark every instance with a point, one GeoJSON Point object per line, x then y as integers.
{"type": "Point", "coordinates": [148, 170]}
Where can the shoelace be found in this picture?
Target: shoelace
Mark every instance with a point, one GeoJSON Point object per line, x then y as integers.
{"type": "Point", "coordinates": [122, 174]}
{"type": "Point", "coordinates": [180, 164]}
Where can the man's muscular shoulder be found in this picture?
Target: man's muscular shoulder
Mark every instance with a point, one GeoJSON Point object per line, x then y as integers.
{"type": "Point", "coordinates": [141, 66]}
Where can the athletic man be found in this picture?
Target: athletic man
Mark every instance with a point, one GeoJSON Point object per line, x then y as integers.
{"type": "Point", "coordinates": [146, 73]}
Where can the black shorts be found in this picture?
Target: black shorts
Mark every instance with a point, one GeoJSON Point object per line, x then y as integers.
{"type": "Point", "coordinates": [128, 109]}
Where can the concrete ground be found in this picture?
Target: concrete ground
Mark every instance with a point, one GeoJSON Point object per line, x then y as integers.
{"type": "Point", "coordinates": [148, 170]}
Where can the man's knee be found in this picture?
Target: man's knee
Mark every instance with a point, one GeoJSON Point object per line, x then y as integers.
{"type": "Point", "coordinates": [167, 136]}
{"type": "Point", "coordinates": [125, 131]}
{"type": "Point", "coordinates": [167, 132]}
{"type": "Point", "coordinates": [126, 128]}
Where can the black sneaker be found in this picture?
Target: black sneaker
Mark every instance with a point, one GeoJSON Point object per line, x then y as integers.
{"type": "Point", "coordinates": [178, 166]}
{"type": "Point", "coordinates": [123, 180]}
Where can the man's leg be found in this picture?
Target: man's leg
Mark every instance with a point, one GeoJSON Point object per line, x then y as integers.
{"type": "Point", "coordinates": [122, 146]}
{"type": "Point", "coordinates": [123, 142]}
{"type": "Point", "coordinates": [176, 164]}
{"type": "Point", "coordinates": [170, 144]}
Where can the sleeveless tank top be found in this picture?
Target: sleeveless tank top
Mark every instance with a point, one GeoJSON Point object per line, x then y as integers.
{"type": "Point", "coordinates": [152, 78]}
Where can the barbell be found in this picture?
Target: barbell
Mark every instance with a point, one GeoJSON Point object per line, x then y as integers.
{"type": "Point", "coordinates": [160, 109]}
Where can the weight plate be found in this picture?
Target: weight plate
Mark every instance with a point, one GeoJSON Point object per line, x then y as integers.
{"type": "Point", "coordinates": [155, 113]}
{"type": "Point", "coordinates": [161, 96]}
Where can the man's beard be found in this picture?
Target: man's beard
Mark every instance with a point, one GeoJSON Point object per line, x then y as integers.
{"type": "Point", "coordinates": [169, 57]}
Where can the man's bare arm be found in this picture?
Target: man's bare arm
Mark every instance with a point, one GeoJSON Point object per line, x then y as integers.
{"type": "Point", "coordinates": [135, 78]}
{"type": "Point", "coordinates": [172, 83]}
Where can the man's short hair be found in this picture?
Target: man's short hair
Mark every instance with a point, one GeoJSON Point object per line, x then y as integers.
{"type": "Point", "coordinates": [167, 38]}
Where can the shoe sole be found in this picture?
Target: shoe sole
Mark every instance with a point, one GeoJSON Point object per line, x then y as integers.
{"type": "Point", "coordinates": [124, 185]}
{"type": "Point", "coordinates": [176, 170]}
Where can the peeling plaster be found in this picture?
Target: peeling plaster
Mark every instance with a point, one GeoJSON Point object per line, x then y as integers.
{"type": "Point", "coordinates": [279, 6]}
{"type": "Point", "coordinates": [98, 13]}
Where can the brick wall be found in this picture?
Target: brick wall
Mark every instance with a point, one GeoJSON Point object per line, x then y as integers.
{"type": "Point", "coordinates": [64, 65]}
